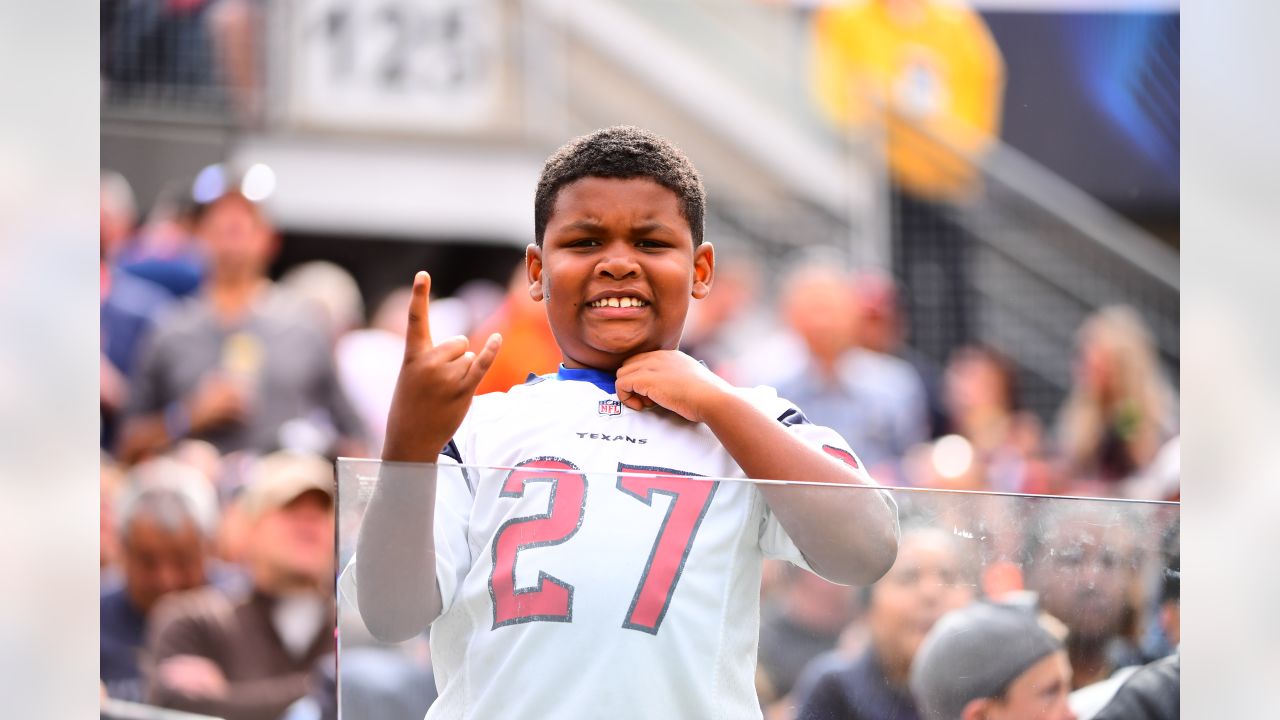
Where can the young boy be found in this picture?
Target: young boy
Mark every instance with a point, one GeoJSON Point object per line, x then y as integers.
{"type": "Point", "coordinates": [636, 591]}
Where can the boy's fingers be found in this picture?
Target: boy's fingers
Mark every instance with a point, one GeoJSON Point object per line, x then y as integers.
{"type": "Point", "coordinates": [633, 380]}
{"type": "Point", "coordinates": [418, 335]}
{"type": "Point", "coordinates": [628, 397]}
{"type": "Point", "coordinates": [483, 360]}
{"type": "Point", "coordinates": [638, 361]}
{"type": "Point", "coordinates": [453, 348]}
{"type": "Point", "coordinates": [628, 366]}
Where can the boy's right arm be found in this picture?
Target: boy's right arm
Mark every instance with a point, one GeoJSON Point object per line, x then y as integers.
{"type": "Point", "coordinates": [396, 587]}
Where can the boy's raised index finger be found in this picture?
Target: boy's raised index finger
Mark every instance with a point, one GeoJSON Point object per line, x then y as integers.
{"type": "Point", "coordinates": [418, 334]}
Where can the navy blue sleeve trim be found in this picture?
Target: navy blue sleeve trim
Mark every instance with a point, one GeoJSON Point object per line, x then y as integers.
{"type": "Point", "coordinates": [451, 450]}
{"type": "Point", "coordinates": [793, 416]}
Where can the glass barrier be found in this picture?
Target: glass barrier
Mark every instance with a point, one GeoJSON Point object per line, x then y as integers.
{"type": "Point", "coordinates": [643, 593]}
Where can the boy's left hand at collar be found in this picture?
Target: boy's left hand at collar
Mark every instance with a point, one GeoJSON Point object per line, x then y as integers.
{"type": "Point", "coordinates": [670, 379]}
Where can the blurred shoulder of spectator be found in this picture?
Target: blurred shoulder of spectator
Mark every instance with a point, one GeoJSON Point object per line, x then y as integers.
{"type": "Point", "coordinates": [1149, 693]}
{"type": "Point", "coordinates": [165, 249]}
{"type": "Point", "coordinates": [897, 408]}
{"type": "Point", "coordinates": [130, 309]}
{"type": "Point", "coordinates": [851, 690]}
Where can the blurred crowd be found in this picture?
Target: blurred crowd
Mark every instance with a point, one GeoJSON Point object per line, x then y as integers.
{"type": "Point", "coordinates": [227, 394]}
{"type": "Point", "coordinates": [996, 607]}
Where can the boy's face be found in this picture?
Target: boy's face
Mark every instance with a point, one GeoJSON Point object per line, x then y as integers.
{"type": "Point", "coordinates": [617, 269]}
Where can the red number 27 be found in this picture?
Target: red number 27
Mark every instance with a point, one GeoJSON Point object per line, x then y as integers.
{"type": "Point", "coordinates": [551, 599]}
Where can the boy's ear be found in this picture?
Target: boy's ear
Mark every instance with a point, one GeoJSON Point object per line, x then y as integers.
{"type": "Point", "coordinates": [704, 270]}
{"type": "Point", "coordinates": [533, 270]}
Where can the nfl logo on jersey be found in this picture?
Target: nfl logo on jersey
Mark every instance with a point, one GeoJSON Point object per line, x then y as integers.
{"type": "Point", "coordinates": [610, 407]}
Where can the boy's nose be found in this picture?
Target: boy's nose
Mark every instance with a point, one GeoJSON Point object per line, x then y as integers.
{"type": "Point", "coordinates": [618, 266]}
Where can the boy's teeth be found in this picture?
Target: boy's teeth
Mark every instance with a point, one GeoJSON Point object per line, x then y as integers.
{"type": "Point", "coordinates": [618, 302]}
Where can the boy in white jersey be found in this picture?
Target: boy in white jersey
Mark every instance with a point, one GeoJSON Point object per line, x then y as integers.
{"type": "Point", "coordinates": [599, 577]}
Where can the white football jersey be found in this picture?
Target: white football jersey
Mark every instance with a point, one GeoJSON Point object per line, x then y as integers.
{"type": "Point", "coordinates": [600, 577]}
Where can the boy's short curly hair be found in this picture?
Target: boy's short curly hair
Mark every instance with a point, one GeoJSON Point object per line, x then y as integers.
{"type": "Point", "coordinates": [621, 151]}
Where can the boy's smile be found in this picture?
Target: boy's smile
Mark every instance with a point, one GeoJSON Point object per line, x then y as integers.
{"type": "Point", "coordinates": [617, 269]}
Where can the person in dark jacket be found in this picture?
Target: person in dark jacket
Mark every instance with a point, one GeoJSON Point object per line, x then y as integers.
{"type": "Point", "coordinates": [1149, 694]}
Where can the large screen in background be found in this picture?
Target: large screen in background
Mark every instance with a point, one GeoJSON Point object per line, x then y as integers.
{"type": "Point", "coordinates": [1095, 97]}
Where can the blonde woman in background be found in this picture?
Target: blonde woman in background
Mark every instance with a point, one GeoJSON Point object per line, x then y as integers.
{"type": "Point", "coordinates": [1121, 409]}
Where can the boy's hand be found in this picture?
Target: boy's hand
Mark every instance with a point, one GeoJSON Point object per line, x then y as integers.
{"type": "Point", "coordinates": [672, 380]}
{"type": "Point", "coordinates": [435, 385]}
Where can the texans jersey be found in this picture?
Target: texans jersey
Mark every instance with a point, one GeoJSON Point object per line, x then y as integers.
{"type": "Point", "coordinates": [612, 568]}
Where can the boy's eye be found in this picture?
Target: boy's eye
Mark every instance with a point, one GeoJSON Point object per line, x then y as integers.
{"type": "Point", "coordinates": [584, 242]}
{"type": "Point", "coordinates": [646, 243]}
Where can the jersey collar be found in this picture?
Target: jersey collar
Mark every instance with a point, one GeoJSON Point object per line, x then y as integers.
{"type": "Point", "coordinates": [600, 378]}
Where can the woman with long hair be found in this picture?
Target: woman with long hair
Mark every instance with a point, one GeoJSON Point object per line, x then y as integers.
{"type": "Point", "coordinates": [1121, 409]}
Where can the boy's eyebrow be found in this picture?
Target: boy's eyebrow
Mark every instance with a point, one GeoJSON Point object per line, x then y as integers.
{"type": "Point", "coordinates": [648, 227]}
{"type": "Point", "coordinates": [587, 225]}
{"type": "Point", "coordinates": [593, 225]}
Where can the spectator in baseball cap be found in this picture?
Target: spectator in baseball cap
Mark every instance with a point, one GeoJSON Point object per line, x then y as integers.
{"type": "Point", "coordinates": [991, 662]}
{"type": "Point", "coordinates": [247, 656]}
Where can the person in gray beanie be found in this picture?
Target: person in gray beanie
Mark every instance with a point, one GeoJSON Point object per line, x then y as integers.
{"type": "Point", "coordinates": [989, 661]}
